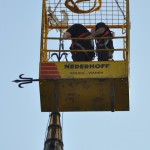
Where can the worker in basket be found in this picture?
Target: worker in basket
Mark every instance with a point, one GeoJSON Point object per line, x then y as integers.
{"type": "Point", "coordinates": [79, 31]}
{"type": "Point", "coordinates": [102, 30]}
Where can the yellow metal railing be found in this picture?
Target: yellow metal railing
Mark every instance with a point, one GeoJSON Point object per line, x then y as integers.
{"type": "Point", "coordinates": [56, 16]}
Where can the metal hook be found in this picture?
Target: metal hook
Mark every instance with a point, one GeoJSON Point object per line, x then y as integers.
{"type": "Point", "coordinates": [59, 57]}
{"type": "Point", "coordinates": [24, 80]}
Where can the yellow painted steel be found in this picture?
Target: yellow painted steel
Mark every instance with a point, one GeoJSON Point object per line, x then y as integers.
{"type": "Point", "coordinates": [69, 70]}
{"type": "Point", "coordinates": [106, 94]}
{"type": "Point", "coordinates": [84, 86]}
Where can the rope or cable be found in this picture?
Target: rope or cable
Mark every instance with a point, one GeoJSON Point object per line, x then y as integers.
{"type": "Point", "coordinates": [74, 8]}
{"type": "Point", "coordinates": [56, 6]}
{"type": "Point", "coordinates": [120, 9]}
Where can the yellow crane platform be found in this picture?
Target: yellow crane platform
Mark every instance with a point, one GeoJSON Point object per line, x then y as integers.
{"type": "Point", "coordinates": [67, 85]}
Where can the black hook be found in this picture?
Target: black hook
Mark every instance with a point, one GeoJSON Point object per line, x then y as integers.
{"type": "Point", "coordinates": [24, 80]}
{"type": "Point", "coordinates": [59, 57]}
